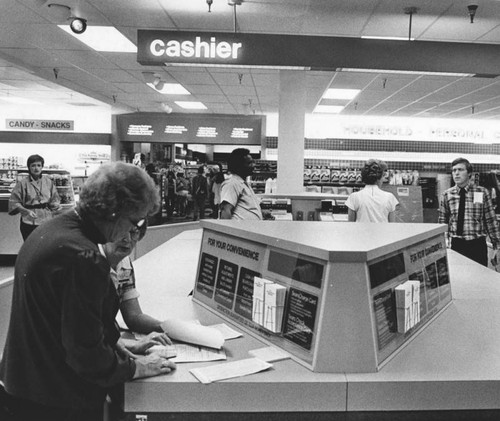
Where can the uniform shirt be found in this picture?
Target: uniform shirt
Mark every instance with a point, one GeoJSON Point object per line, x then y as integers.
{"type": "Point", "coordinates": [59, 350]}
{"type": "Point", "coordinates": [28, 192]}
{"type": "Point", "coordinates": [479, 219]}
{"type": "Point", "coordinates": [372, 204]}
{"type": "Point", "coordinates": [123, 278]}
{"type": "Point", "coordinates": [239, 194]}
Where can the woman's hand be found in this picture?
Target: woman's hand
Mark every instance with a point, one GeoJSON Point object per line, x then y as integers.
{"type": "Point", "coordinates": [152, 365]}
{"type": "Point", "coordinates": [122, 347]}
{"type": "Point", "coordinates": [154, 338]}
{"type": "Point", "coordinates": [28, 213]}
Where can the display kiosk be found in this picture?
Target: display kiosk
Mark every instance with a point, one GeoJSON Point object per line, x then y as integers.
{"type": "Point", "coordinates": [338, 297]}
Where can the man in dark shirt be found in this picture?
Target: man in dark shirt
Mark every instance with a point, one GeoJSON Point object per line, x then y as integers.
{"type": "Point", "coordinates": [199, 191]}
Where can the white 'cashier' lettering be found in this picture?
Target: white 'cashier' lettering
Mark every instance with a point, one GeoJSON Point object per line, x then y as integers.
{"type": "Point", "coordinates": [198, 49]}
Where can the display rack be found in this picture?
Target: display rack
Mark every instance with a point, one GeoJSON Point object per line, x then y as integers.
{"type": "Point", "coordinates": [263, 169]}
{"type": "Point", "coordinates": [340, 311]}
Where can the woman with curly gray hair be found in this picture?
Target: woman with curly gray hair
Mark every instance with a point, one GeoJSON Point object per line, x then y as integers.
{"type": "Point", "coordinates": [372, 204]}
{"type": "Point", "coordinates": [63, 350]}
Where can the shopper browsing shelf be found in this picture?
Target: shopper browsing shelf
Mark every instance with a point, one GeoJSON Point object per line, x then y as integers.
{"type": "Point", "coordinates": [238, 201]}
{"type": "Point", "coordinates": [170, 193]}
{"type": "Point", "coordinates": [372, 204]}
{"type": "Point", "coordinates": [62, 351]}
{"type": "Point", "coordinates": [216, 188]}
{"type": "Point", "coordinates": [199, 191]}
{"type": "Point", "coordinates": [35, 197]}
{"type": "Point", "coordinates": [468, 211]}
{"type": "Point", "coordinates": [182, 194]}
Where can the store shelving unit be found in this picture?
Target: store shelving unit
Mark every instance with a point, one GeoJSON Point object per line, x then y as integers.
{"type": "Point", "coordinates": [263, 170]}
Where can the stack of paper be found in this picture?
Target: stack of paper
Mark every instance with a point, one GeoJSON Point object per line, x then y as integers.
{"type": "Point", "coordinates": [229, 370]}
{"type": "Point", "coordinates": [269, 354]}
{"type": "Point", "coordinates": [274, 303]}
{"type": "Point", "coordinates": [185, 353]}
{"type": "Point", "coordinates": [407, 305]}
{"type": "Point", "coordinates": [259, 291]}
{"type": "Point", "coordinates": [193, 333]}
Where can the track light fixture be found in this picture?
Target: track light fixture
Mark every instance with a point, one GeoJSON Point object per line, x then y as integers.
{"type": "Point", "coordinates": [166, 108]}
{"type": "Point", "coordinates": [149, 77]}
{"type": "Point", "coordinates": [78, 25]}
{"type": "Point", "coordinates": [62, 12]}
{"type": "Point", "coordinates": [472, 11]}
{"type": "Point", "coordinates": [158, 84]}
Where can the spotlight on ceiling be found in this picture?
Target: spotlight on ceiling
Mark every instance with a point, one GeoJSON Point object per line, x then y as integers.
{"type": "Point", "coordinates": [166, 108]}
{"type": "Point", "coordinates": [60, 11]}
{"type": "Point", "coordinates": [472, 8]}
{"type": "Point", "coordinates": [149, 77]}
{"type": "Point", "coordinates": [78, 25]}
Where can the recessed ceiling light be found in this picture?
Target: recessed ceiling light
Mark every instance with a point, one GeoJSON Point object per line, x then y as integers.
{"type": "Point", "coordinates": [170, 89]}
{"type": "Point", "coordinates": [328, 109]}
{"type": "Point", "coordinates": [334, 93]}
{"type": "Point", "coordinates": [191, 105]}
{"type": "Point", "coordinates": [103, 38]}
{"type": "Point", "coordinates": [17, 100]}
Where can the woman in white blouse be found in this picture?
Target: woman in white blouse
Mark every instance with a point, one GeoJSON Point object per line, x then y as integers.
{"type": "Point", "coordinates": [372, 204]}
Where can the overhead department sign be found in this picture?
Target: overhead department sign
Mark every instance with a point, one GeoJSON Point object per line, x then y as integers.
{"type": "Point", "coordinates": [157, 48]}
{"type": "Point", "coordinates": [38, 125]}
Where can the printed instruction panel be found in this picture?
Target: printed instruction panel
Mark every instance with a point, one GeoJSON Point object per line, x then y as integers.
{"type": "Point", "coordinates": [425, 262]}
{"type": "Point", "coordinates": [274, 293]}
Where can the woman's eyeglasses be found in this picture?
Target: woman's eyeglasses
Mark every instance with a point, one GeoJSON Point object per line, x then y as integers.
{"type": "Point", "coordinates": [138, 230]}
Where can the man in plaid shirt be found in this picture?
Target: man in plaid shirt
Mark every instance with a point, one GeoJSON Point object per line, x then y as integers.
{"type": "Point", "coordinates": [479, 218]}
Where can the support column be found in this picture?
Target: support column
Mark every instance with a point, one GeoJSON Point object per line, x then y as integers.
{"type": "Point", "coordinates": [292, 98]}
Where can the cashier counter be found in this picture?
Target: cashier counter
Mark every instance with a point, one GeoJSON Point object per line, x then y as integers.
{"type": "Point", "coordinates": [447, 367]}
{"type": "Point", "coordinates": [451, 364]}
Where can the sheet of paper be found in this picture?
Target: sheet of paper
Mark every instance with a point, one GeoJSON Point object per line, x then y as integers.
{"type": "Point", "coordinates": [166, 351]}
{"type": "Point", "coordinates": [229, 370]}
{"type": "Point", "coordinates": [185, 353]}
{"type": "Point", "coordinates": [193, 333]}
{"type": "Point", "coordinates": [227, 332]}
{"type": "Point", "coordinates": [269, 354]}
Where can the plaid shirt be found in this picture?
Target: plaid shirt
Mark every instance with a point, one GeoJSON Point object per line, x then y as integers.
{"type": "Point", "coordinates": [480, 218]}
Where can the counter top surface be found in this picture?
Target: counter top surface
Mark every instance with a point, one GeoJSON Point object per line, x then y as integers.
{"type": "Point", "coordinates": [451, 364]}
{"type": "Point", "coordinates": [330, 240]}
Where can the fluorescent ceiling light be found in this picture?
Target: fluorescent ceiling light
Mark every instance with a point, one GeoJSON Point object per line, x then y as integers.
{"type": "Point", "coordinates": [404, 72]}
{"type": "Point", "coordinates": [238, 66]}
{"type": "Point", "coordinates": [17, 100]}
{"type": "Point", "coordinates": [191, 105]}
{"type": "Point", "coordinates": [334, 93]}
{"type": "Point", "coordinates": [170, 89]}
{"type": "Point", "coordinates": [388, 38]}
{"type": "Point", "coordinates": [103, 38]}
{"type": "Point", "coordinates": [328, 109]}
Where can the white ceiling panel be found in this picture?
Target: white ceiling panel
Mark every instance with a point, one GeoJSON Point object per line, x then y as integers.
{"type": "Point", "coordinates": [31, 40]}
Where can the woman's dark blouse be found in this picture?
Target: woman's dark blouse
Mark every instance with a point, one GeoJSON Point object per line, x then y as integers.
{"type": "Point", "coordinates": [59, 349]}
